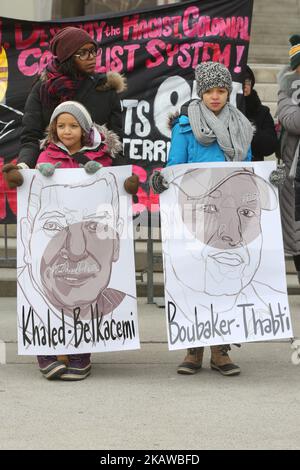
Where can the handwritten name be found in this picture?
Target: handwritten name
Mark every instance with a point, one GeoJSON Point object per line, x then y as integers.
{"type": "Point", "coordinates": [96, 330]}
{"type": "Point", "coordinates": [274, 323]}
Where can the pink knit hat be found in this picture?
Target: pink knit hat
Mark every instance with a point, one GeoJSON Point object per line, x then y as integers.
{"type": "Point", "coordinates": [67, 41]}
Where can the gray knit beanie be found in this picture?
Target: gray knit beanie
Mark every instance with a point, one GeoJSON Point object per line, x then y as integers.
{"type": "Point", "coordinates": [212, 75]}
{"type": "Point", "coordinates": [77, 110]}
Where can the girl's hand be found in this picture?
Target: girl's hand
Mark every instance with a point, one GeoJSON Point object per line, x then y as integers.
{"type": "Point", "coordinates": [91, 167]}
{"type": "Point", "coordinates": [47, 169]}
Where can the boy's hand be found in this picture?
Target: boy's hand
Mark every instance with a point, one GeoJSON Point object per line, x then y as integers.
{"type": "Point", "coordinates": [91, 167]}
{"type": "Point", "coordinates": [157, 182]}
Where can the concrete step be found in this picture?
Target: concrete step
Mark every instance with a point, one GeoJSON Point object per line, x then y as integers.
{"type": "Point", "coordinates": [8, 284]}
{"type": "Point", "coordinates": [267, 55]}
{"type": "Point", "coordinates": [270, 38]}
{"type": "Point", "coordinates": [272, 106]}
{"type": "Point", "coordinates": [141, 263]}
{"type": "Point", "coordinates": [11, 230]}
{"type": "Point", "coordinates": [265, 73]}
{"type": "Point", "coordinates": [263, 7]}
{"type": "Point", "coordinates": [267, 91]}
{"type": "Point", "coordinates": [9, 249]}
{"type": "Point", "coordinates": [285, 19]}
{"type": "Point", "coordinates": [272, 24]}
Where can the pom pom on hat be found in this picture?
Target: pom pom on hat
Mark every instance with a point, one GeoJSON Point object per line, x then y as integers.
{"type": "Point", "coordinates": [294, 51]}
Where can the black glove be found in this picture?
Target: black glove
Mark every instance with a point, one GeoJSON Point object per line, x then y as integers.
{"type": "Point", "coordinates": [131, 184]}
{"type": "Point", "coordinates": [278, 176]}
{"type": "Point", "coordinates": [12, 175]}
{"type": "Point", "coordinates": [158, 183]}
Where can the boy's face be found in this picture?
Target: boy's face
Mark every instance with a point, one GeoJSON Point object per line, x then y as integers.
{"type": "Point", "coordinates": [72, 248]}
{"type": "Point", "coordinates": [69, 132]}
{"type": "Point", "coordinates": [247, 86]}
{"type": "Point", "coordinates": [215, 99]}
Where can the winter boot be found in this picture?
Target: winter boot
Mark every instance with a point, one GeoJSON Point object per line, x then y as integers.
{"type": "Point", "coordinates": [192, 362]}
{"type": "Point", "coordinates": [79, 367]}
{"type": "Point", "coordinates": [221, 361]}
{"type": "Point", "coordinates": [50, 367]}
{"type": "Point", "coordinates": [64, 359]}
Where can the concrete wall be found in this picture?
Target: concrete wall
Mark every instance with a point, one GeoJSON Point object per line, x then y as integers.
{"type": "Point", "coordinates": [26, 9]}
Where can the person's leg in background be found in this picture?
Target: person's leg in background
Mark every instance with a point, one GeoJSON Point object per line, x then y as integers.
{"type": "Point", "coordinates": [297, 265]}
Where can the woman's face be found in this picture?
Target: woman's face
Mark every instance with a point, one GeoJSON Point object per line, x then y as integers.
{"type": "Point", "coordinates": [87, 65]}
{"type": "Point", "coordinates": [215, 99]}
{"type": "Point", "coordinates": [247, 87]}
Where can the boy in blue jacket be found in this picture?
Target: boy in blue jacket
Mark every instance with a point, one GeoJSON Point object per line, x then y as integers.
{"type": "Point", "coordinates": [209, 129]}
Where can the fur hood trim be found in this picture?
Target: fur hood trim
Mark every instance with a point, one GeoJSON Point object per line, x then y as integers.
{"type": "Point", "coordinates": [172, 118]}
{"type": "Point", "coordinates": [114, 81]}
{"type": "Point", "coordinates": [111, 139]}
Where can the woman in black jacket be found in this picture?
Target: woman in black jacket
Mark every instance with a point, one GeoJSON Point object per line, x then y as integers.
{"type": "Point", "coordinates": [264, 141]}
{"type": "Point", "coordinates": [70, 75]}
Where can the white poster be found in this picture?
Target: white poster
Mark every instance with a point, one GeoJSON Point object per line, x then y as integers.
{"type": "Point", "coordinates": [223, 255]}
{"type": "Point", "coordinates": [76, 271]}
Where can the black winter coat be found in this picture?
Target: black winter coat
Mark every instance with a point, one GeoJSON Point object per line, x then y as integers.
{"type": "Point", "coordinates": [98, 93]}
{"type": "Point", "coordinates": [265, 140]}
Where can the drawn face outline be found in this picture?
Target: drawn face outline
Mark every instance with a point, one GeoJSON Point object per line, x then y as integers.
{"type": "Point", "coordinates": [221, 245]}
{"type": "Point", "coordinates": [63, 245]}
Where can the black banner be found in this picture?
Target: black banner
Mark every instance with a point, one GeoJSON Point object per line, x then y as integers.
{"type": "Point", "coordinates": [156, 49]}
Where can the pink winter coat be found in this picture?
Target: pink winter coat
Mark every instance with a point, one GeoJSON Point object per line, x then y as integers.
{"type": "Point", "coordinates": [105, 147]}
{"type": "Point", "coordinates": [53, 154]}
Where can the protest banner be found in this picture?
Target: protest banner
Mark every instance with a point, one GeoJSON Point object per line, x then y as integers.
{"type": "Point", "coordinates": [156, 49]}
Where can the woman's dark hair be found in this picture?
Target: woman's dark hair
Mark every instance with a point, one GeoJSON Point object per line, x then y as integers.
{"type": "Point", "coordinates": [68, 68]}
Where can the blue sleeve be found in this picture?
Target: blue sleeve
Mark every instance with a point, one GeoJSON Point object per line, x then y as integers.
{"type": "Point", "coordinates": [249, 155]}
{"type": "Point", "coordinates": [179, 147]}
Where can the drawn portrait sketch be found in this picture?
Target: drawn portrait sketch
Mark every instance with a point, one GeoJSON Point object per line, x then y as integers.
{"type": "Point", "coordinates": [223, 255]}
{"type": "Point", "coordinates": [76, 275]}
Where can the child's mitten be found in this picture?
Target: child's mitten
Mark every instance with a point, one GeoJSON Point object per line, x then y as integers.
{"type": "Point", "coordinates": [91, 167]}
{"type": "Point", "coordinates": [131, 184]}
{"type": "Point", "coordinates": [47, 169]}
{"type": "Point", "coordinates": [12, 175]}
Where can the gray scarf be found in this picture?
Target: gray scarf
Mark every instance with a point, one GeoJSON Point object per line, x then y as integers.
{"type": "Point", "coordinates": [230, 128]}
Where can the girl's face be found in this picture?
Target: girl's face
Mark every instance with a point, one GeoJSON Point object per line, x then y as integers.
{"type": "Point", "coordinates": [85, 58]}
{"type": "Point", "coordinates": [215, 99]}
{"type": "Point", "coordinates": [69, 132]}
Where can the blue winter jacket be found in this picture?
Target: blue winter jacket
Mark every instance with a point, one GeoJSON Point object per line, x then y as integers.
{"type": "Point", "coordinates": [186, 149]}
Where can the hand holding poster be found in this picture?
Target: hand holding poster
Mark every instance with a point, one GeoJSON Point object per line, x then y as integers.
{"type": "Point", "coordinates": [74, 245]}
{"type": "Point", "coordinates": [223, 255]}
